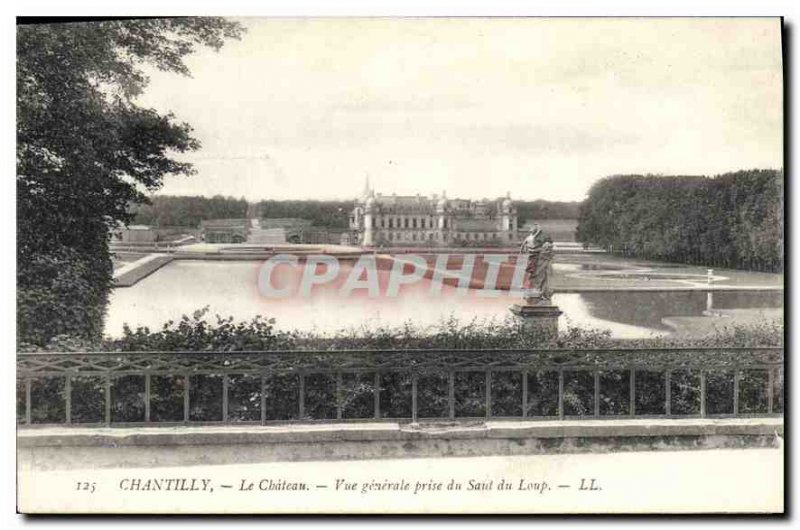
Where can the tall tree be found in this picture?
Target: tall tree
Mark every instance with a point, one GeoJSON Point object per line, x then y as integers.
{"type": "Point", "coordinates": [85, 151]}
{"type": "Point", "coordinates": [732, 220]}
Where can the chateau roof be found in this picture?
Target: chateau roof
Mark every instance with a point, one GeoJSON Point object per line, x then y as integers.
{"type": "Point", "coordinates": [418, 204]}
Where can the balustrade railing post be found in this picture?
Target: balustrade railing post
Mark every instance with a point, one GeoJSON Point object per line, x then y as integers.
{"type": "Point", "coordinates": [68, 398]}
{"type": "Point", "coordinates": [339, 397]}
{"type": "Point", "coordinates": [414, 398]}
{"type": "Point", "coordinates": [28, 401]}
{"type": "Point", "coordinates": [147, 398]}
{"type": "Point", "coordinates": [224, 398]}
{"type": "Point", "coordinates": [668, 392]}
{"type": "Point", "coordinates": [770, 390]}
{"type": "Point", "coordinates": [561, 394]}
{"type": "Point", "coordinates": [524, 393]}
{"type": "Point", "coordinates": [302, 395]}
{"type": "Point", "coordinates": [451, 394]}
{"type": "Point", "coordinates": [596, 394]}
{"type": "Point", "coordinates": [377, 395]}
{"type": "Point", "coordinates": [263, 399]}
{"type": "Point", "coordinates": [488, 393]}
{"type": "Point", "coordinates": [702, 393]}
{"type": "Point", "coordinates": [632, 390]}
{"type": "Point", "coordinates": [186, 390]}
{"type": "Point", "coordinates": [107, 412]}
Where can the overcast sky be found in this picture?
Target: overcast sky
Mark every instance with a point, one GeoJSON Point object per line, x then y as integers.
{"type": "Point", "coordinates": [541, 108]}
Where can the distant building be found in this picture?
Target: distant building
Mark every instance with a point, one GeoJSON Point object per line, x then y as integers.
{"type": "Point", "coordinates": [393, 220]}
{"type": "Point", "coordinates": [135, 234]}
{"type": "Point", "coordinates": [224, 230]}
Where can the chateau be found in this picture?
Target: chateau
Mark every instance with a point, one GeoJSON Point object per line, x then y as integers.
{"type": "Point", "coordinates": [394, 220]}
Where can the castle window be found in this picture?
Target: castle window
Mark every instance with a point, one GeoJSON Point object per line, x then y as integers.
{"type": "Point", "coordinates": [391, 222]}
{"type": "Point", "coordinates": [414, 222]}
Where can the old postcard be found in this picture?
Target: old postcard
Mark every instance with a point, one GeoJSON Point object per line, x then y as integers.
{"type": "Point", "coordinates": [400, 265]}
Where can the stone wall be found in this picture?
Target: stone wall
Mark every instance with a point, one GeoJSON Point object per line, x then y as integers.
{"type": "Point", "coordinates": [75, 448]}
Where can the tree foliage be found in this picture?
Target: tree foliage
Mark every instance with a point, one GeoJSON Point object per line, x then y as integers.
{"type": "Point", "coordinates": [86, 151]}
{"type": "Point", "coordinates": [732, 220]}
{"type": "Point", "coordinates": [188, 211]}
{"type": "Point", "coordinates": [328, 214]}
{"type": "Point", "coordinates": [541, 209]}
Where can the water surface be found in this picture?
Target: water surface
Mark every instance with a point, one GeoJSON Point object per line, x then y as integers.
{"type": "Point", "coordinates": [230, 288]}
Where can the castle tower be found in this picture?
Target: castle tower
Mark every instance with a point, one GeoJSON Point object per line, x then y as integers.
{"type": "Point", "coordinates": [441, 217]}
{"type": "Point", "coordinates": [367, 190]}
{"type": "Point", "coordinates": [507, 217]}
{"type": "Point", "coordinates": [441, 210]}
{"type": "Point", "coordinates": [369, 215]}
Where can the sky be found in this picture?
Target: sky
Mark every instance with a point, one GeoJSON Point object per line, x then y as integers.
{"type": "Point", "coordinates": [538, 108]}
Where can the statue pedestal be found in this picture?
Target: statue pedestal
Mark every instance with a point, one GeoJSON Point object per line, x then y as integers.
{"type": "Point", "coordinates": [538, 319]}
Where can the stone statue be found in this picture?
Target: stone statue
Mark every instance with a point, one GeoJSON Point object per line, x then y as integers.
{"type": "Point", "coordinates": [539, 251]}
